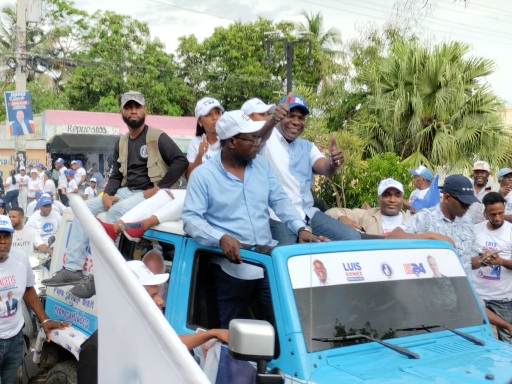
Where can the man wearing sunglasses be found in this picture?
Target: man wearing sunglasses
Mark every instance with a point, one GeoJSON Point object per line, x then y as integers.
{"type": "Point", "coordinates": [447, 220]}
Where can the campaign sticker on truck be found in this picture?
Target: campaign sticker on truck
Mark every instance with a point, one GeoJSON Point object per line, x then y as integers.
{"type": "Point", "coordinates": [371, 266]}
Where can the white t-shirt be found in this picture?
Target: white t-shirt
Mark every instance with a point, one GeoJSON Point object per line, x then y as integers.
{"type": "Point", "coordinates": [508, 205]}
{"type": "Point", "coordinates": [33, 186]}
{"type": "Point", "coordinates": [193, 148]}
{"type": "Point", "coordinates": [71, 187]}
{"type": "Point", "coordinates": [49, 186]}
{"type": "Point", "coordinates": [91, 193]}
{"type": "Point", "coordinates": [58, 207]}
{"type": "Point", "coordinates": [15, 276]}
{"type": "Point", "coordinates": [41, 175]}
{"type": "Point", "coordinates": [31, 207]}
{"type": "Point", "coordinates": [391, 222]}
{"type": "Point", "coordinates": [63, 180]}
{"type": "Point", "coordinates": [23, 181]}
{"type": "Point", "coordinates": [493, 282]}
{"type": "Point", "coordinates": [9, 186]}
{"type": "Point", "coordinates": [78, 175]}
{"type": "Point", "coordinates": [46, 226]}
{"type": "Point", "coordinates": [417, 194]}
{"type": "Point", "coordinates": [27, 240]}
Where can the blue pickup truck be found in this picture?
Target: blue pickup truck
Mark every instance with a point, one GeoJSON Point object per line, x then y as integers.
{"type": "Point", "coordinates": [373, 311]}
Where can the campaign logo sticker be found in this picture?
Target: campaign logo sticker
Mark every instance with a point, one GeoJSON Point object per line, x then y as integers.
{"type": "Point", "coordinates": [144, 153]}
{"type": "Point", "coordinates": [353, 271]}
{"type": "Point", "coordinates": [386, 269]}
{"type": "Point", "coordinates": [414, 269]}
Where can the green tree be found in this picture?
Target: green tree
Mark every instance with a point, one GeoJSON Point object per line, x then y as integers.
{"type": "Point", "coordinates": [329, 40]}
{"type": "Point", "coordinates": [431, 106]}
{"type": "Point", "coordinates": [119, 54]}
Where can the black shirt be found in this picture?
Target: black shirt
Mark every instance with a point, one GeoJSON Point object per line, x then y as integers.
{"type": "Point", "coordinates": [137, 172]}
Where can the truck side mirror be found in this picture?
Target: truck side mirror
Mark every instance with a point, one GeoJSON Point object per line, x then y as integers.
{"type": "Point", "coordinates": [253, 340]}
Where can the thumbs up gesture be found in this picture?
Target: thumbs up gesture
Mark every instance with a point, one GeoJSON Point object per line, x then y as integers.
{"type": "Point", "coordinates": [335, 154]}
{"type": "Point", "coordinates": [282, 110]}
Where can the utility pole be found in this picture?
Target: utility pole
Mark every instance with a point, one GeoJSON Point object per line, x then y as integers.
{"type": "Point", "coordinates": [289, 49]}
{"type": "Point", "coordinates": [21, 59]}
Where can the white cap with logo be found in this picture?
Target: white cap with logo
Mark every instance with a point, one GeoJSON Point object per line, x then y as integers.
{"type": "Point", "coordinates": [205, 105]}
{"type": "Point", "coordinates": [144, 275]}
{"type": "Point", "coordinates": [389, 183]}
{"type": "Point", "coordinates": [234, 122]}
{"type": "Point", "coordinates": [255, 105]}
{"type": "Point", "coordinates": [5, 224]}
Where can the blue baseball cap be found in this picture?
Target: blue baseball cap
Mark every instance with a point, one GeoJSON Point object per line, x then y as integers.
{"type": "Point", "coordinates": [423, 172]}
{"type": "Point", "coordinates": [41, 165]}
{"type": "Point", "coordinates": [38, 193]}
{"type": "Point", "coordinates": [504, 171]}
{"type": "Point", "coordinates": [60, 160]}
{"type": "Point", "coordinates": [48, 173]}
{"type": "Point", "coordinates": [69, 172]}
{"type": "Point", "coordinates": [44, 201]}
{"type": "Point", "coordinates": [297, 101]}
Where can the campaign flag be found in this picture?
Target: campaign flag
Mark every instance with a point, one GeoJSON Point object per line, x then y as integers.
{"type": "Point", "coordinates": [136, 342]}
{"type": "Point", "coordinates": [431, 198]}
{"type": "Point", "coordinates": [19, 113]}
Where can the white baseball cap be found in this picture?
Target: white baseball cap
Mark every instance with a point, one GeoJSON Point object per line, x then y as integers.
{"type": "Point", "coordinates": [33, 170]}
{"type": "Point", "coordinates": [144, 275]}
{"type": "Point", "coordinates": [389, 183]}
{"type": "Point", "coordinates": [22, 168]}
{"type": "Point", "coordinates": [205, 105]}
{"type": "Point", "coordinates": [255, 105]}
{"type": "Point", "coordinates": [93, 179]}
{"type": "Point", "coordinates": [481, 166]}
{"type": "Point", "coordinates": [234, 122]}
{"type": "Point", "coordinates": [5, 224]}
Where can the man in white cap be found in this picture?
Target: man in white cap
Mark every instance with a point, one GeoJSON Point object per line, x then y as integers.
{"type": "Point", "coordinates": [227, 206]}
{"type": "Point", "coordinates": [256, 109]}
{"type": "Point", "coordinates": [23, 187]}
{"type": "Point", "coordinates": [422, 176]}
{"type": "Point", "coordinates": [377, 221]}
{"type": "Point", "coordinates": [481, 182]}
{"type": "Point", "coordinates": [18, 283]}
{"type": "Point", "coordinates": [90, 191]}
{"type": "Point", "coordinates": [87, 366]}
{"type": "Point", "coordinates": [63, 180]}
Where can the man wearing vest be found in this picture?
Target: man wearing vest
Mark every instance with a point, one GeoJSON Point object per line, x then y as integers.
{"type": "Point", "coordinates": [145, 160]}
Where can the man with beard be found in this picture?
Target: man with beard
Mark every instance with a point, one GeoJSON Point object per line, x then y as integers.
{"type": "Point", "coordinates": [492, 270]}
{"type": "Point", "coordinates": [376, 221]}
{"type": "Point", "coordinates": [295, 160]}
{"type": "Point", "coordinates": [145, 160]}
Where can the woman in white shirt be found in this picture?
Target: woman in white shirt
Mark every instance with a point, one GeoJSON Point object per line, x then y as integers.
{"type": "Point", "coordinates": [205, 144]}
{"type": "Point", "coordinates": [34, 184]}
{"type": "Point", "coordinates": [11, 190]}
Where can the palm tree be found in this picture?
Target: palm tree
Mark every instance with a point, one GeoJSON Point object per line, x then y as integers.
{"type": "Point", "coordinates": [431, 106]}
{"type": "Point", "coordinates": [314, 26]}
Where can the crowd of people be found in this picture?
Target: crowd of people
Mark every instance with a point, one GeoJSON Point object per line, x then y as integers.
{"type": "Point", "coordinates": [249, 185]}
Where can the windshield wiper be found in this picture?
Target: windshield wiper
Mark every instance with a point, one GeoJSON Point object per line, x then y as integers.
{"type": "Point", "coordinates": [427, 328]}
{"type": "Point", "coordinates": [404, 351]}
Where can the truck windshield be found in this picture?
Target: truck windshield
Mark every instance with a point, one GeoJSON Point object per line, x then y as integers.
{"type": "Point", "coordinates": [381, 294]}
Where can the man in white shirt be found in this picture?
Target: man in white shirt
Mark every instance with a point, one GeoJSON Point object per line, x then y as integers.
{"type": "Point", "coordinates": [422, 176]}
{"type": "Point", "coordinates": [90, 192]}
{"type": "Point", "coordinates": [49, 184]}
{"type": "Point", "coordinates": [26, 238]}
{"type": "Point", "coordinates": [45, 220]}
{"type": "Point", "coordinates": [40, 170]}
{"type": "Point", "coordinates": [505, 180]}
{"type": "Point", "coordinates": [376, 221]}
{"type": "Point", "coordinates": [63, 181]}
{"type": "Point", "coordinates": [80, 173]}
{"type": "Point", "coordinates": [23, 187]}
{"type": "Point", "coordinates": [492, 270]}
{"type": "Point", "coordinates": [71, 186]}
{"type": "Point", "coordinates": [481, 182]}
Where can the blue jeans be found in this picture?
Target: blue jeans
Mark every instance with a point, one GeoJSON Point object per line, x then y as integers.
{"type": "Point", "coordinates": [78, 240]}
{"type": "Point", "coordinates": [321, 224]}
{"type": "Point", "coordinates": [11, 199]}
{"type": "Point", "coordinates": [503, 309]}
{"type": "Point", "coordinates": [234, 296]}
{"type": "Point", "coordinates": [11, 354]}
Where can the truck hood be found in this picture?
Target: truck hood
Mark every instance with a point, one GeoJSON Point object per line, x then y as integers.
{"type": "Point", "coordinates": [456, 362]}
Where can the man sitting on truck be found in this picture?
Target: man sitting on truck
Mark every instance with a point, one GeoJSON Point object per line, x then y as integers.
{"type": "Point", "coordinates": [45, 220]}
{"type": "Point", "coordinates": [227, 205]}
{"type": "Point", "coordinates": [377, 221]}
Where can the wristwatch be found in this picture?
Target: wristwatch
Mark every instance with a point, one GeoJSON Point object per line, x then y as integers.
{"type": "Point", "coordinates": [306, 228]}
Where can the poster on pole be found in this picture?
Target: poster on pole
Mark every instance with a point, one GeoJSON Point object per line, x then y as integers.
{"type": "Point", "coordinates": [19, 113]}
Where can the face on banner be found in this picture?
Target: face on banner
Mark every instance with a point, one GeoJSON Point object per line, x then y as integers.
{"type": "Point", "coordinates": [19, 113]}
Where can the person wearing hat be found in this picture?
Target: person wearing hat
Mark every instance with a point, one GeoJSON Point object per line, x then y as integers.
{"type": "Point", "coordinates": [505, 181]}
{"type": "Point", "coordinates": [205, 143]}
{"type": "Point", "coordinates": [492, 268]}
{"type": "Point", "coordinates": [90, 191]}
{"type": "Point", "coordinates": [23, 187]}
{"type": "Point", "coordinates": [422, 176]}
{"type": "Point", "coordinates": [26, 238]}
{"type": "Point", "coordinates": [257, 110]}
{"type": "Point", "coordinates": [45, 220]}
{"type": "Point", "coordinates": [145, 161]}
{"type": "Point", "coordinates": [226, 205]}
{"type": "Point", "coordinates": [31, 207]}
{"type": "Point", "coordinates": [377, 221]}
{"type": "Point", "coordinates": [71, 186]}
{"type": "Point", "coordinates": [87, 365]}
{"type": "Point", "coordinates": [48, 183]}
{"type": "Point", "coordinates": [15, 269]}
{"type": "Point", "coordinates": [447, 220]}
{"type": "Point", "coordinates": [94, 172]}
{"type": "Point", "coordinates": [34, 184]}
{"type": "Point", "coordinates": [40, 170]}
{"type": "Point", "coordinates": [80, 173]}
{"type": "Point", "coordinates": [63, 181]}
{"type": "Point", "coordinates": [481, 182]}
{"type": "Point", "coordinates": [2, 208]}
{"type": "Point", "coordinates": [295, 161]}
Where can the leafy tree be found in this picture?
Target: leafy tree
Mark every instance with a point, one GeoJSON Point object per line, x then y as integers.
{"type": "Point", "coordinates": [314, 27]}
{"type": "Point", "coordinates": [431, 106]}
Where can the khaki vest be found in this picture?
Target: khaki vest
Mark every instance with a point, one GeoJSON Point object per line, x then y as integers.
{"type": "Point", "coordinates": [156, 165]}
